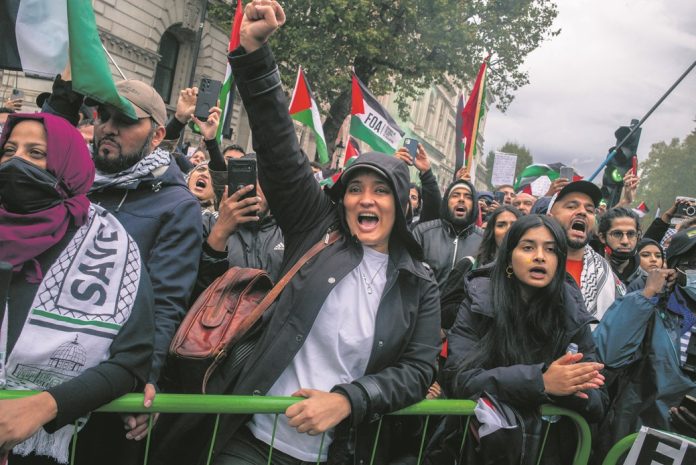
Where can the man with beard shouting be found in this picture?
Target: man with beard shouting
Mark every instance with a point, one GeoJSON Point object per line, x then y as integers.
{"type": "Point", "coordinates": [574, 208]}
{"type": "Point", "coordinates": [141, 185]}
{"type": "Point", "coordinates": [454, 236]}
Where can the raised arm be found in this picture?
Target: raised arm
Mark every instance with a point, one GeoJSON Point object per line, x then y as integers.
{"type": "Point", "coordinates": [293, 195]}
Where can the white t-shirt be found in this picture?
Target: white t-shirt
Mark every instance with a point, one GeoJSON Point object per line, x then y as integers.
{"type": "Point", "coordinates": [336, 351]}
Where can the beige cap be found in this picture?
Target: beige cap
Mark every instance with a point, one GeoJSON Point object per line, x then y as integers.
{"type": "Point", "coordinates": [145, 99]}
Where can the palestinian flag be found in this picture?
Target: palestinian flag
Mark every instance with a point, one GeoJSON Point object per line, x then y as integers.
{"type": "Point", "coordinates": [227, 90]}
{"type": "Point", "coordinates": [371, 123]}
{"type": "Point", "coordinates": [536, 179]}
{"type": "Point", "coordinates": [469, 118]}
{"type": "Point", "coordinates": [352, 152]}
{"type": "Point", "coordinates": [641, 210]}
{"type": "Point", "coordinates": [303, 108]}
{"type": "Point", "coordinates": [35, 36]}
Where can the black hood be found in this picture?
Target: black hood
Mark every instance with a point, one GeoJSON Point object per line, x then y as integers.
{"type": "Point", "coordinates": [396, 173]}
{"type": "Point", "coordinates": [444, 209]}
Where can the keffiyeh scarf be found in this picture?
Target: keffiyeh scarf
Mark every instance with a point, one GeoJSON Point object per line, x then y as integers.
{"type": "Point", "coordinates": [598, 284]}
{"type": "Point", "coordinates": [132, 175]}
{"type": "Point", "coordinates": [84, 300]}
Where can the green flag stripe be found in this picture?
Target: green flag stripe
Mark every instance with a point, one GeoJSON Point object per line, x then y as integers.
{"type": "Point", "coordinates": [53, 316]}
{"type": "Point", "coordinates": [91, 75]}
{"type": "Point", "coordinates": [305, 117]}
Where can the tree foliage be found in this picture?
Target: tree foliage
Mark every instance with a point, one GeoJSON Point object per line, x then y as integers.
{"type": "Point", "coordinates": [668, 172]}
{"type": "Point", "coordinates": [524, 159]}
{"type": "Point", "coordinates": [405, 46]}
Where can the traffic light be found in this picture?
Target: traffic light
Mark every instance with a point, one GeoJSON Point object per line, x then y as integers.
{"type": "Point", "coordinates": [616, 169]}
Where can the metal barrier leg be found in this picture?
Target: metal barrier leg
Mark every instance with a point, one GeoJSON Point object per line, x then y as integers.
{"type": "Point", "coordinates": [74, 444]}
{"type": "Point", "coordinates": [543, 443]}
{"type": "Point", "coordinates": [212, 439]}
{"type": "Point", "coordinates": [321, 447]}
{"type": "Point", "coordinates": [270, 448]}
{"type": "Point", "coordinates": [618, 449]}
{"type": "Point", "coordinates": [374, 445]}
{"type": "Point", "coordinates": [425, 433]}
{"type": "Point", "coordinates": [147, 439]}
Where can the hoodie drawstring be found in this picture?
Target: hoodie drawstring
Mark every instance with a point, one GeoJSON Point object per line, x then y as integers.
{"type": "Point", "coordinates": [122, 200]}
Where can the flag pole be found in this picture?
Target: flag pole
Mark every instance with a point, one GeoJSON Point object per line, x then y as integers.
{"type": "Point", "coordinates": [472, 148]}
{"type": "Point", "coordinates": [642, 120]}
{"type": "Point", "coordinates": [114, 62]}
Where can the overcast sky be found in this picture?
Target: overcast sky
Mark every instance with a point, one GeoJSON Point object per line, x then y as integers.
{"type": "Point", "coordinates": [611, 62]}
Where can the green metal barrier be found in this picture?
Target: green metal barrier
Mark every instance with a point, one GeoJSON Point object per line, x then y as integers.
{"type": "Point", "coordinates": [223, 404]}
{"type": "Point", "coordinates": [619, 449]}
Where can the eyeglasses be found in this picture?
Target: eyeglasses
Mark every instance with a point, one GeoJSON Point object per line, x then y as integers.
{"type": "Point", "coordinates": [618, 235]}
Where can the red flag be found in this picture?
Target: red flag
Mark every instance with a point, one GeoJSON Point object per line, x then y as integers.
{"type": "Point", "coordinates": [470, 116]}
{"type": "Point", "coordinates": [227, 90]}
{"type": "Point", "coordinates": [352, 151]}
{"type": "Point", "coordinates": [236, 26]}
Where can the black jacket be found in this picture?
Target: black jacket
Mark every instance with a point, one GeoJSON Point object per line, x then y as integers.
{"type": "Point", "coordinates": [255, 245]}
{"type": "Point", "coordinates": [402, 361]}
{"type": "Point", "coordinates": [444, 246]}
{"type": "Point", "coordinates": [519, 385]}
{"type": "Point", "coordinates": [430, 199]}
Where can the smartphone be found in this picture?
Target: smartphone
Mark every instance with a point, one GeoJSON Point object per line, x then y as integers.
{"type": "Point", "coordinates": [499, 197]}
{"type": "Point", "coordinates": [412, 146]}
{"type": "Point", "coordinates": [567, 173]}
{"type": "Point", "coordinates": [208, 93]}
{"type": "Point", "coordinates": [240, 173]}
{"type": "Point", "coordinates": [17, 94]}
{"type": "Point", "coordinates": [634, 165]}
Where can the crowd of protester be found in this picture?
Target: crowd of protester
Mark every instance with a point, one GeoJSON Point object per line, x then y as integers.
{"type": "Point", "coordinates": [558, 299]}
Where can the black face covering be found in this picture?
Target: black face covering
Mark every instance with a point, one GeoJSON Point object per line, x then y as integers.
{"type": "Point", "coordinates": [622, 256]}
{"type": "Point", "coordinates": [26, 188]}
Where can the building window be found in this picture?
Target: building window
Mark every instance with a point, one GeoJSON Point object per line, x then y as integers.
{"type": "Point", "coordinates": [166, 68]}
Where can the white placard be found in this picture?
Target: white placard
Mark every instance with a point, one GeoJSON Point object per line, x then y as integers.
{"type": "Point", "coordinates": [540, 186]}
{"type": "Point", "coordinates": [503, 168]}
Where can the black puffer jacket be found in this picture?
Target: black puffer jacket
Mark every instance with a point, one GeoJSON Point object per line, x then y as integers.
{"type": "Point", "coordinates": [402, 361]}
{"type": "Point", "coordinates": [444, 245]}
{"type": "Point", "coordinates": [521, 386]}
{"type": "Point", "coordinates": [255, 245]}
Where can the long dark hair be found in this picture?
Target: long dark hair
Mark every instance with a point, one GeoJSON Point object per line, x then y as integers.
{"type": "Point", "coordinates": [523, 332]}
{"type": "Point", "coordinates": [488, 247]}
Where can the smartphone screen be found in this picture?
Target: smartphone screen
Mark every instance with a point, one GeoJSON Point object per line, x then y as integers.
{"type": "Point", "coordinates": [241, 172]}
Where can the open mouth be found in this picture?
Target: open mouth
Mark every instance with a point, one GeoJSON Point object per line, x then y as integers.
{"type": "Point", "coordinates": [538, 272]}
{"type": "Point", "coordinates": [201, 183]}
{"type": "Point", "coordinates": [460, 211]}
{"type": "Point", "coordinates": [368, 221]}
{"type": "Point", "coordinates": [578, 225]}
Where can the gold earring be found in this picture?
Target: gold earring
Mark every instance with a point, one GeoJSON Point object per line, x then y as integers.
{"type": "Point", "coordinates": [508, 271]}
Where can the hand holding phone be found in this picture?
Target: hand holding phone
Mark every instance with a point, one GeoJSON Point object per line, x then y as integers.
{"type": "Point", "coordinates": [241, 172]}
{"type": "Point", "coordinates": [412, 146]}
{"type": "Point", "coordinates": [567, 173]}
{"type": "Point", "coordinates": [499, 197]}
{"type": "Point", "coordinates": [208, 93]}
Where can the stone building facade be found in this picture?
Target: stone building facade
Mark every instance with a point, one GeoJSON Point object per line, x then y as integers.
{"type": "Point", "coordinates": [156, 41]}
